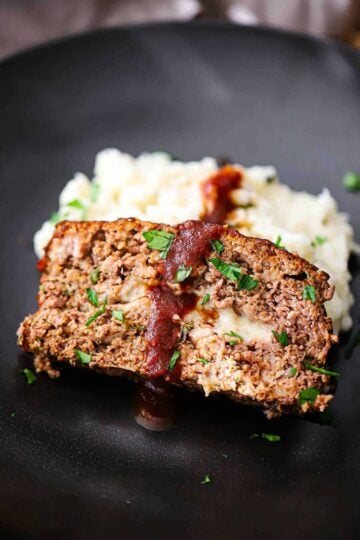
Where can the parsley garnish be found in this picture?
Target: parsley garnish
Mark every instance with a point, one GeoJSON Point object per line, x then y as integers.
{"type": "Point", "coordinates": [321, 370]}
{"type": "Point", "coordinates": [30, 376]}
{"type": "Point", "coordinates": [94, 192]}
{"type": "Point", "coordinates": [292, 371]}
{"type": "Point", "coordinates": [203, 361]}
{"type": "Point", "coordinates": [282, 338]}
{"type": "Point", "coordinates": [233, 334]}
{"type": "Point", "coordinates": [308, 395]}
{"type": "Point", "coordinates": [76, 203]}
{"type": "Point", "coordinates": [309, 293]}
{"type": "Point", "coordinates": [94, 275]}
{"type": "Point", "coordinates": [55, 218]}
{"type": "Point", "coordinates": [206, 480]}
{"type": "Point", "coordinates": [83, 356]}
{"type": "Point", "coordinates": [217, 246]}
{"type": "Point", "coordinates": [318, 241]}
{"type": "Point", "coordinates": [174, 358]}
{"type": "Point", "coordinates": [205, 299]}
{"type": "Point", "coordinates": [97, 313]}
{"type": "Point", "coordinates": [267, 436]}
{"type": "Point", "coordinates": [182, 273]}
{"type": "Point", "coordinates": [160, 240]}
{"type": "Point", "coordinates": [92, 297]}
{"type": "Point", "coordinates": [233, 272]}
{"type": "Point", "coordinates": [351, 181]}
{"type": "Point", "coordinates": [278, 242]}
{"type": "Point", "coordinates": [355, 342]}
{"type": "Point", "coordinates": [118, 315]}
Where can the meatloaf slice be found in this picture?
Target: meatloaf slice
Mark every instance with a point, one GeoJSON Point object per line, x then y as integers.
{"type": "Point", "coordinates": [198, 304]}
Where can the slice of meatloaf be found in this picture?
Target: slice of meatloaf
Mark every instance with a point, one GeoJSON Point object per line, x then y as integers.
{"type": "Point", "coordinates": [198, 304]}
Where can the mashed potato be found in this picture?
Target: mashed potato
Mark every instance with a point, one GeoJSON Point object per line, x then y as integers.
{"type": "Point", "coordinates": [154, 187]}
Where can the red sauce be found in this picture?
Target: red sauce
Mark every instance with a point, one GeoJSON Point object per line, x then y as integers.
{"type": "Point", "coordinates": [216, 192]}
{"type": "Point", "coordinates": [163, 332]}
{"type": "Point", "coordinates": [41, 264]}
{"type": "Point", "coordinates": [158, 405]}
{"type": "Point", "coordinates": [190, 246]}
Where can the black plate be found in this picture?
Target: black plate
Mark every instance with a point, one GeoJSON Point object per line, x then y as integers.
{"type": "Point", "coordinates": [74, 464]}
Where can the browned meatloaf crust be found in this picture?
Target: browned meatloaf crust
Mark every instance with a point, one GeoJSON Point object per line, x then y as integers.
{"type": "Point", "coordinates": [127, 272]}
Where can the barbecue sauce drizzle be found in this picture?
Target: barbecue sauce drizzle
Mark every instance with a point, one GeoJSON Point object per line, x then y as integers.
{"type": "Point", "coordinates": [189, 248]}
{"type": "Point", "coordinates": [216, 192]}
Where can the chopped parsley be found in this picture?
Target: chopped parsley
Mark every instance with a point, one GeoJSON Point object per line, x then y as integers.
{"type": "Point", "coordinates": [206, 480]}
{"type": "Point", "coordinates": [319, 241]}
{"type": "Point", "coordinates": [55, 218]}
{"type": "Point", "coordinates": [174, 358]}
{"type": "Point", "coordinates": [78, 205]}
{"type": "Point", "coordinates": [160, 240]}
{"type": "Point", "coordinates": [217, 246]}
{"type": "Point", "coordinates": [321, 370]}
{"type": "Point", "coordinates": [308, 395]}
{"type": "Point", "coordinates": [94, 275]}
{"type": "Point", "coordinates": [118, 315]}
{"type": "Point", "coordinates": [233, 272]}
{"type": "Point", "coordinates": [309, 293]}
{"type": "Point", "coordinates": [233, 342]}
{"type": "Point", "coordinates": [92, 297]}
{"type": "Point", "coordinates": [182, 273]}
{"type": "Point", "coordinates": [278, 242]}
{"type": "Point", "coordinates": [97, 313]}
{"type": "Point", "coordinates": [292, 371]}
{"type": "Point", "coordinates": [205, 299]}
{"type": "Point", "coordinates": [282, 338]}
{"type": "Point", "coordinates": [355, 342]}
{"type": "Point", "coordinates": [94, 192]}
{"type": "Point", "coordinates": [30, 376]}
{"type": "Point", "coordinates": [267, 436]}
{"type": "Point", "coordinates": [351, 181]}
{"type": "Point", "coordinates": [204, 361]}
{"type": "Point", "coordinates": [83, 356]}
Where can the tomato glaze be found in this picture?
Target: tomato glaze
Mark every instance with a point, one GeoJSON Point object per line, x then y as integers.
{"type": "Point", "coordinates": [189, 248]}
{"type": "Point", "coordinates": [216, 192]}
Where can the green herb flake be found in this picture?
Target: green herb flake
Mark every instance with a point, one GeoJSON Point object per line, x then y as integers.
{"type": "Point", "coordinates": [311, 367]}
{"type": "Point", "coordinates": [204, 361]}
{"type": "Point", "coordinates": [174, 358]}
{"type": "Point", "coordinates": [308, 395]}
{"type": "Point", "coordinates": [267, 436]}
{"type": "Point", "coordinates": [278, 242]}
{"type": "Point", "coordinates": [82, 356]}
{"type": "Point", "coordinates": [205, 299]}
{"type": "Point", "coordinates": [160, 240]}
{"type": "Point", "coordinates": [233, 272]}
{"type": "Point", "coordinates": [217, 246]}
{"type": "Point", "coordinates": [351, 181]}
{"type": "Point", "coordinates": [94, 192]}
{"type": "Point", "coordinates": [206, 479]}
{"type": "Point", "coordinates": [309, 293]}
{"type": "Point", "coordinates": [92, 297]}
{"type": "Point", "coordinates": [94, 275]}
{"type": "Point", "coordinates": [118, 315]}
{"type": "Point", "coordinates": [355, 342]}
{"type": "Point", "coordinates": [97, 313]}
{"type": "Point", "coordinates": [292, 371]}
{"type": "Point", "coordinates": [182, 273]}
{"type": "Point", "coordinates": [319, 241]}
{"type": "Point", "coordinates": [29, 375]}
{"type": "Point", "coordinates": [233, 334]}
{"type": "Point", "coordinates": [78, 205]}
{"type": "Point", "coordinates": [282, 338]}
{"type": "Point", "coordinates": [55, 218]}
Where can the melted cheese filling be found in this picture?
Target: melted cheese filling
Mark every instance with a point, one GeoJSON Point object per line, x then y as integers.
{"type": "Point", "coordinates": [228, 320]}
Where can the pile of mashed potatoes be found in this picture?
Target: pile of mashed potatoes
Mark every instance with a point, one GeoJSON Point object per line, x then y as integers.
{"type": "Point", "coordinates": [156, 188]}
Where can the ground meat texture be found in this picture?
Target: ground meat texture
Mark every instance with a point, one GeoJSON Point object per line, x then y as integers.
{"type": "Point", "coordinates": [255, 370]}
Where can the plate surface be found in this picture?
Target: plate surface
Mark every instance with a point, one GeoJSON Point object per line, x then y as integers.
{"type": "Point", "coordinates": [74, 464]}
